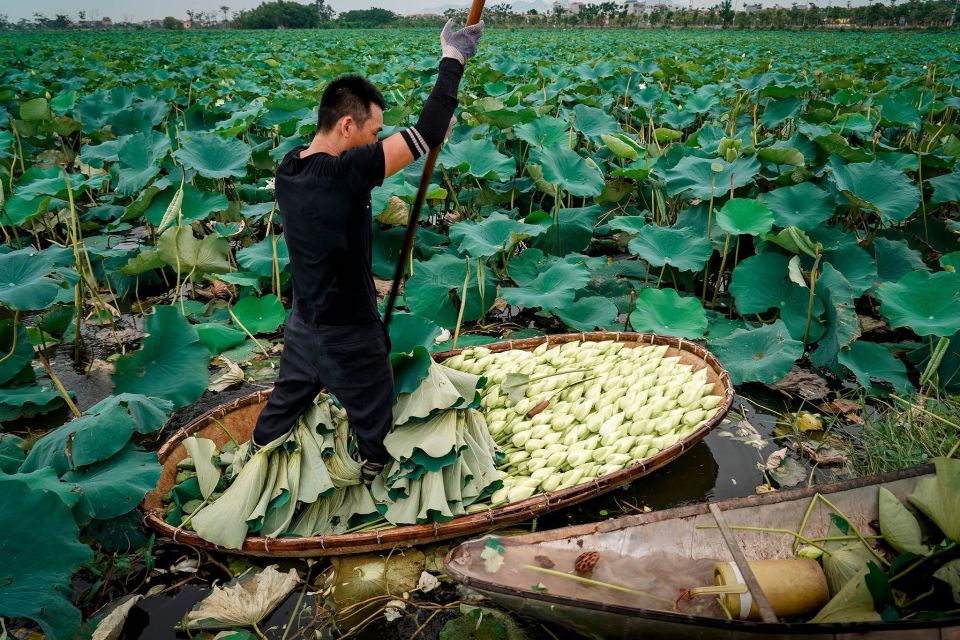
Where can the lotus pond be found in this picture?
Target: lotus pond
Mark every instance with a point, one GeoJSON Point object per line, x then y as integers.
{"type": "Point", "coordinates": [788, 199]}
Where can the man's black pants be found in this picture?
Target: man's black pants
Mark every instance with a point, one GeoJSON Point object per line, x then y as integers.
{"type": "Point", "coordinates": [352, 362]}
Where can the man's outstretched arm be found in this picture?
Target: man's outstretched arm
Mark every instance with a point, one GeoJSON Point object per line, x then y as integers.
{"type": "Point", "coordinates": [404, 147]}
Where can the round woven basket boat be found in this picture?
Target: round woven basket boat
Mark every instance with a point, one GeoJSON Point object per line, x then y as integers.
{"type": "Point", "coordinates": [237, 418]}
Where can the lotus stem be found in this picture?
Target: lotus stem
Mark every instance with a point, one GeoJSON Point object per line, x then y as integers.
{"type": "Point", "coordinates": [723, 265]}
{"type": "Point", "coordinates": [813, 288]}
{"type": "Point", "coordinates": [59, 385]}
{"type": "Point", "coordinates": [706, 268]}
{"type": "Point", "coordinates": [936, 357]}
{"type": "Point", "coordinates": [853, 527]}
{"type": "Point", "coordinates": [247, 331]}
{"type": "Point", "coordinates": [13, 342]}
{"type": "Point", "coordinates": [786, 532]}
{"type": "Point", "coordinates": [463, 304]}
{"type": "Point", "coordinates": [923, 202]}
{"type": "Point", "coordinates": [597, 583]}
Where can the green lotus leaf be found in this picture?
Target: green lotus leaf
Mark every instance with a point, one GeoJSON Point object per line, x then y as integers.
{"type": "Point", "coordinates": [35, 110]}
{"type": "Point", "coordinates": [36, 570]}
{"type": "Point", "coordinates": [566, 169]}
{"type": "Point", "coordinates": [836, 145]}
{"type": "Point", "coordinates": [258, 258]}
{"type": "Point", "coordinates": [525, 268]}
{"type": "Point", "coordinates": [898, 526]}
{"type": "Point", "coordinates": [100, 433]}
{"type": "Point", "coordinates": [171, 363]}
{"type": "Point", "coordinates": [695, 177]}
{"type": "Point", "coordinates": [212, 156]}
{"type": "Point", "coordinates": [38, 182]}
{"type": "Point", "coordinates": [898, 110]}
{"type": "Point", "coordinates": [12, 452]}
{"type": "Point", "coordinates": [545, 132]}
{"type": "Point", "coordinates": [588, 313]}
{"type": "Point", "coordinates": [408, 331]}
{"type": "Point", "coordinates": [745, 216]}
{"type": "Point", "coordinates": [260, 315]}
{"type": "Point", "coordinates": [97, 155]}
{"type": "Point", "coordinates": [804, 205]}
{"type": "Point", "coordinates": [762, 355]}
{"type": "Point", "coordinates": [16, 355]}
{"type": "Point", "coordinates": [140, 155]}
{"type": "Point", "coordinates": [939, 497]}
{"type": "Point", "coordinates": [574, 233]}
{"type": "Point", "coordinates": [795, 241]}
{"type": "Point", "coordinates": [217, 338]}
{"type": "Point", "coordinates": [32, 280]}
{"type": "Point", "coordinates": [410, 368]}
{"type": "Point", "coordinates": [479, 158]}
{"type": "Point", "coordinates": [436, 286]}
{"type": "Point", "coordinates": [666, 312]}
{"type": "Point", "coordinates": [142, 262]}
{"type": "Point", "coordinates": [679, 248]}
{"type": "Point", "coordinates": [553, 288]}
{"type": "Point", "coordinates": [781, 155]}
{"type": "Point", "coordinates": [895, 259]}
{"type": "Point", "coordinates": [841, 323]}
{"type": "Point", "coordinates": [114, 486]}
{"type": "Point", "coordinates": [239, 121]}
{"type": "Point", "coordinates": [776, 111]}
{"type": "Point", "coordinates": [594, 123]}
{"type": "Point", "coordinates": [879, 187]}
{"type": "Point", "coordinates": [494, 234]}
{"type": "Point", "coordinates": [28, 400]}
{"type": "Point", "coordinates": [196, 204]}
{"type": "Point", "coordinates": [628, 224]}
{"type": "Point", "coordinates": [928, 304]}
{"type": "Point", "coordinates": [946, 188]}
{"type": "Point", "coordinates": [949, 573]}
{"type": "Point", "coordinates": [856, 265]}
{"type": "Point", "coordinates": [869, 361]}
{"type": "Point", "coordinates": [140, 116]}
{"type": "Point", "coordinates": [948, 261]}
{"type": "Point", "coordinates": [187, 255]}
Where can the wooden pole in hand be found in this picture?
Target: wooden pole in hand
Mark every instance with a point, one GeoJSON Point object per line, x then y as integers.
{"type": "Point", "coordinates": [476, 9]}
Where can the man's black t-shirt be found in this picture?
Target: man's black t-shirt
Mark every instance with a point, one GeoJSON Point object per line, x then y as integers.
{"type": "Point", "coordinates": [325, 204]}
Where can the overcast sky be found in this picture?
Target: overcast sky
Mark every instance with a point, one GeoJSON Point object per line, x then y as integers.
{"type": "Point", "coordinates": [143, 9]}
{"type": "Point", "coordinates": [136, 10]}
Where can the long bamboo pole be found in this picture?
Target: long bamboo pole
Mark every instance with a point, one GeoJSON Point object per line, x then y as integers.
{"type": "Point", "coordinates": [476, 9]}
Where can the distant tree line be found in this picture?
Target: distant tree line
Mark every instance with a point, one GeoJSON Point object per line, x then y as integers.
{"type": "Point", "coordinates": [290, 14]}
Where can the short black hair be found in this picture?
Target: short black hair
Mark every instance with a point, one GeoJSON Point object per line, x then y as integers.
{"type": "Point", "coordinates": [348, 95]}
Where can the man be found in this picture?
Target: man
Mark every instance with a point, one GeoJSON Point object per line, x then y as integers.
{"type": "Point", "coordinates": [334, 337]}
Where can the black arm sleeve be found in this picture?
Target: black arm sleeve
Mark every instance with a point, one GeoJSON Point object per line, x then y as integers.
{"type": "Point", "coordinates": [437, 111]}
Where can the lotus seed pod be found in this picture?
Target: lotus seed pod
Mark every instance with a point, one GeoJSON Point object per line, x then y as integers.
{"type": "Point", "coordinates": [516, 494]}
{"type": "Point", "coordinates": [625, 444]}
{"type": "Point", "coordinates": [694, 417]}
{"type": "Point", "coordinates": [710, 402]}
{"type": "Point", "coordinates": [593, 422]}
{"type": "Point", "coordinates": [532, 444]}
{"type": "Point", "coordinates": [542, 473]}
{"type": "Point", "coordinates": [551, 483]}
{"type": "Point", "coordinates": [536, 463]}
{"type": "Point", "coordinates": [639, 451]}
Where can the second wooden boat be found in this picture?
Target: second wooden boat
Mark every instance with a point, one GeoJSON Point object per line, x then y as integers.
{"type": "Point", "coordinates": [662, 552]}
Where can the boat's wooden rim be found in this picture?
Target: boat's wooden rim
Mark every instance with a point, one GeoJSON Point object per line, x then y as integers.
{"type": "Point", "coordinates": [452, 568]}
{"type": "Point", "coordinates": [409, 535]}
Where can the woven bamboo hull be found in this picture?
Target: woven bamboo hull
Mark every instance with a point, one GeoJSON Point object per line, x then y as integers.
{"type": "Point", "coordinates": [239, 417]}
{"type": "Point", "coordinates": [602, 613]}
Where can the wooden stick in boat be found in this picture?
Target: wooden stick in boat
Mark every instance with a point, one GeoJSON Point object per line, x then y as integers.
{"type": "Point", "coordinates": [763, 605]}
